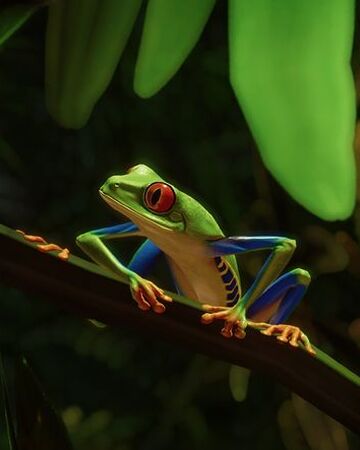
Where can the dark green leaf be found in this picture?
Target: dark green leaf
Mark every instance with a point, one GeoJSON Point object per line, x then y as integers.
{"type": "Point", "coordinates": [11, 18]}
{"type": "Point", "coordinates": [32, 422]}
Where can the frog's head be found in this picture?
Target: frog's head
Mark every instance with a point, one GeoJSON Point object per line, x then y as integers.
{"type": "Point", "coordinates": [147, 200]}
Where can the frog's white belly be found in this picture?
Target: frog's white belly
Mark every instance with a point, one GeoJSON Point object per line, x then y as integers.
{"type": "Point", "coordinates": [199, 281]}
{"type": "Point", "coordinates": [194, 268]}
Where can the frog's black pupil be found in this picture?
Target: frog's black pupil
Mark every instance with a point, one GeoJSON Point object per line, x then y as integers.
{"type": "Point", "coordinates": [155, 197]}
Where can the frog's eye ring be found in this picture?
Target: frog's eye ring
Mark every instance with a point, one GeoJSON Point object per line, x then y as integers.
{"type": "Point", "coordinates": [159, 197]}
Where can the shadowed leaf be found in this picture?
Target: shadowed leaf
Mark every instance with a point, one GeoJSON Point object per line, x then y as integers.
{"type": "Point", "coordinates": [84, 43]}
{"type": "Point", "coordinates": [239, 380]}
{"type": "Point", "coordinates": [12, 17]}
{"type": "Point", "coordinates": [320, 431]}
{"type": "Point", "coordinates": [32, 422]}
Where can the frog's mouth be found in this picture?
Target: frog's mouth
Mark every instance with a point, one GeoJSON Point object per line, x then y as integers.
{"type": "Point", "coordinates": [137, 218]}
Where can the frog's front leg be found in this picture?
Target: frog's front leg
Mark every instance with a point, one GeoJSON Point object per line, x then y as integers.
{"type": "Point", "coordinates": [145, 292]}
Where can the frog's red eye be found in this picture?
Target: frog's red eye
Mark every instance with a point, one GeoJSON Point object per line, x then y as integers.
{"type": "Point", "coordinates": [159, 197]}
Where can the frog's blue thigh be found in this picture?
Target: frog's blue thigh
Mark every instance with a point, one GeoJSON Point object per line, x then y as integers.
{"type": "Point", "coordinates": [290, 288]}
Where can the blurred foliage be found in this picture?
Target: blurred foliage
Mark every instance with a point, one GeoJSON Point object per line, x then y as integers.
{"type": "Point", "coordinates": [277, 55]}
{"type": "Point", "coordinates": [116, 390]}
{"type": "Point", "coordinates": [12, 17]}
{"type": "Point", "coordinates": [31, 421]}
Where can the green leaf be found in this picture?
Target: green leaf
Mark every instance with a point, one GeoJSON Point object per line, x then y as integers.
{"type": "Point", "coordinates": [12, 18]}
{"type": "Point", "coordinates": [318, 427]}
{"type": "Point", "coordinates": [171, 30]}
{"type": "Point", "coordinates": [290, 70]}
{"type": "Point", "coordinates": [32, 422]}
{"type": "Point", "coordinates": [84, 43]}
{"type": "Point", "coordinates": [238, 381]}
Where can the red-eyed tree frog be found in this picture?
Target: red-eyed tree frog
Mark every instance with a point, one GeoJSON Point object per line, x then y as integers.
{"type": "Point", "coordinates": [200, 257]}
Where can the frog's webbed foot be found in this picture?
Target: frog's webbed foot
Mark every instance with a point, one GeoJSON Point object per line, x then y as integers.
{"type": "Point", "coordinates": [235, 323]}
{"type": "Point", "coordinates": [44, 246]}
{"type": "Point", "coordinates": [289, 334]}
{"type": "Point", "coordinates": [147, 295]}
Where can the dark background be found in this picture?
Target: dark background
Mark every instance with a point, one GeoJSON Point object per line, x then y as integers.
{"type": "Point", "coordinates": [116, 390]}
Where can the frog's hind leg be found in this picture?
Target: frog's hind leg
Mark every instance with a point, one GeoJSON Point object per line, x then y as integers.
{"type": "Point", "coordinates": [280, 299]}
{"type": "Point", "coordinates": [277, 303]}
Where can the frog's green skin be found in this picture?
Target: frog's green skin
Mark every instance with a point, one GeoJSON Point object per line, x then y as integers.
{"type": "Point", "coordinates": [201, 258]}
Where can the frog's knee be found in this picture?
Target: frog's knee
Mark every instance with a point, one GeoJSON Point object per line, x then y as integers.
{"type": "Point", "coordinates": [83, 239]}
{"type": "Point", "coordinates": [287, 245]}
{"type": "Point", "coordinates": [302, 275]}
{"type": "Point", "coordinates": [290, 244]}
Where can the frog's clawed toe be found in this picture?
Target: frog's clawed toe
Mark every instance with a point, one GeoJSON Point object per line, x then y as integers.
{"type": "Point", "coordinates": [147, 295]}
{"type": "Point", "coordinates": [45, 247]}
{"type": "Point", "coordinates": [31, 238]}
{"type": "Point", "coordinates": [289, 334]}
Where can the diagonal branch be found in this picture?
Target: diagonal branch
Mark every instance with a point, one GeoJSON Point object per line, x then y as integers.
{"type": "Point", "coordinates": [82, 288]}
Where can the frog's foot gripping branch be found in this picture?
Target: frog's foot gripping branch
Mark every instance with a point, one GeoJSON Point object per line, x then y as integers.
{"type": "Point", "coordinates": [146, 295]}
{"type": "Point", "coordinates": [235, 325]}
{"type": "Point", "coordinates": [44, 246]}
{"type": "Point", "coordinates": [285, 333]}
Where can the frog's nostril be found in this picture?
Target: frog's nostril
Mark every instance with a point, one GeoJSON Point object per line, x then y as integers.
{"type": "Point", "coordinates": [114, 186]}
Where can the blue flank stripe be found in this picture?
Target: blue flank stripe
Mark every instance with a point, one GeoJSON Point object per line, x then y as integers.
{"type": "Point", "coordinates": [217, 260]}
{"type": "Point", "coordinates": [229, 279]}
{"type": "Point", "coordinates": [220, 264]}
{"type": "Point", "coordinates": [233, 294]}
{"type": "Point", "coordinates": [230, 287]}
{"type": "Point", "coordinates": [232, 302]}
{"type": "Point", "coordinates": [227, 276]}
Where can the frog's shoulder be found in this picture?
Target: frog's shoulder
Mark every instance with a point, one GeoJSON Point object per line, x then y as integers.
{"type": "Point", "coordinates": [199, 222]}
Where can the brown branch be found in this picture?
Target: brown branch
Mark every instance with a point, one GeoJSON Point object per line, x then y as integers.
{"type": "Point", "coordinates": [82, 288]}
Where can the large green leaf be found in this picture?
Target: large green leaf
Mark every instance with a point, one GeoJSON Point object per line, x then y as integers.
{"type": "Point", "coordinates": [290, 70]}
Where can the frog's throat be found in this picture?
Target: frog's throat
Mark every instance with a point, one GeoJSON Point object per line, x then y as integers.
{"type": "Point", "coordinates": [133, 215]}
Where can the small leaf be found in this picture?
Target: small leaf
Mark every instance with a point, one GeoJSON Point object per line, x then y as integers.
{"type": "Point", "coordinates": [239, 380]}
{"type": "Point", "coordinates": [11, 19]}
{"type": "Point", "coordinates": [97, 324]}
{"type": "Point", "coordinates": [32, 422]}
{"type": "Point", "coordinates": [171, 30]}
